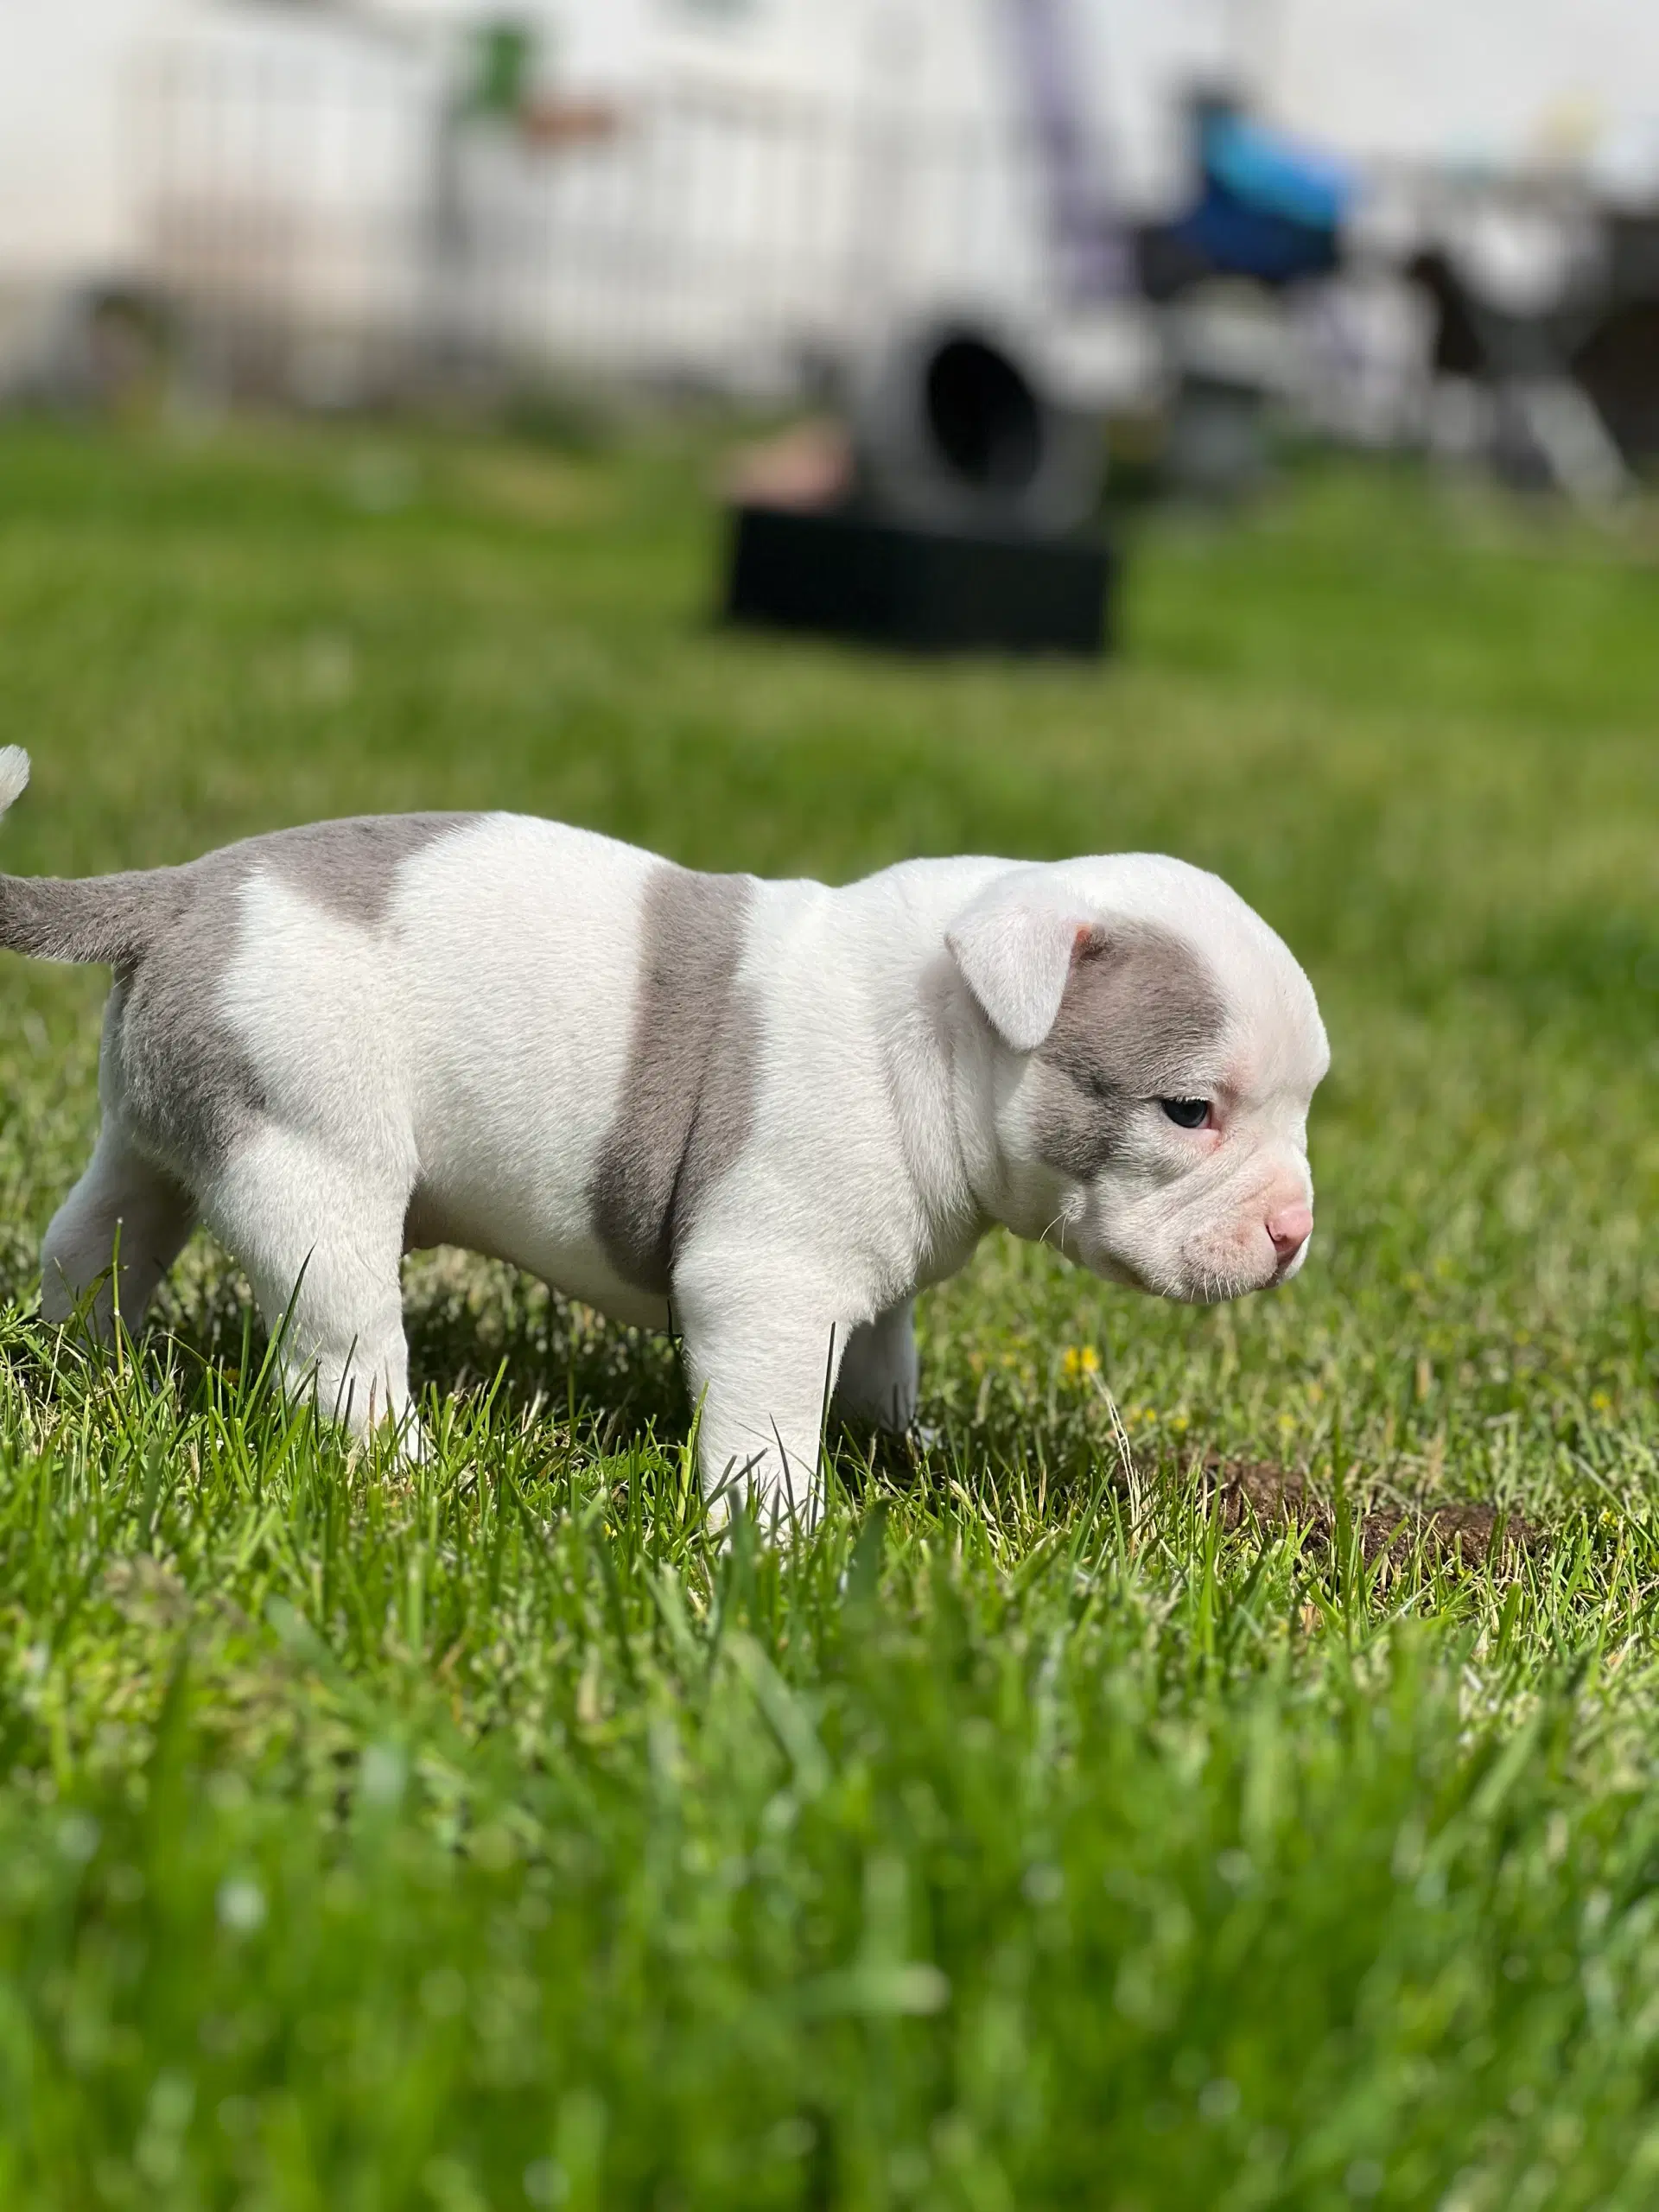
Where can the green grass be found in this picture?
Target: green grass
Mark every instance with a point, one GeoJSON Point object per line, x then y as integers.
{"type": "Point", "coordinates": [488, 1837]}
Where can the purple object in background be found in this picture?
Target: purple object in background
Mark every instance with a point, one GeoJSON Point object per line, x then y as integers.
{"type": "Point", "coordinates": [1084, 229]}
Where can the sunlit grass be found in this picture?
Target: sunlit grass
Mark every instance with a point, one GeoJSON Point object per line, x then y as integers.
{"type": "Point", "coordinates": [482, 1833]}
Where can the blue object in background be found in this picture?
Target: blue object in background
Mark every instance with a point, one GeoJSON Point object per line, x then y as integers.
{"type": "Point", "coordinates": [1273, 176]}
{"type": "Point", "coordinates": [1270, 209]}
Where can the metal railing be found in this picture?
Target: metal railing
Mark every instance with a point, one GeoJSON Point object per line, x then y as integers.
{"type": "Point", "coordinates": [693, 232]}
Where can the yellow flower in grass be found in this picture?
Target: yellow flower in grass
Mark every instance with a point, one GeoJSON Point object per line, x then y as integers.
{"type": "Point", "coordinates": [1079, 1362]}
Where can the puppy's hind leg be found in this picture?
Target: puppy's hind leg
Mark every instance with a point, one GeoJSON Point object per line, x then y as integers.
{"type": "Point", "coordinates": [321, 1238]}
{"type": "Point", "coordinates": [113, 1239]}
{"type": "Point", "coordinates": [879, 1377]}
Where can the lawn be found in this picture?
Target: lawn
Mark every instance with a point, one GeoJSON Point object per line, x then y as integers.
{"type": "Point", "coordinates": [1046, 1831]}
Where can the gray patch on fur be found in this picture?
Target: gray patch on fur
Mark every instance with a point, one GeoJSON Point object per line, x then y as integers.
{"type": "Point", "coordinates": [1142, 1018]}
{"type": "Point", "coordinates": [351, 867]}
{"type": "Point", "coordinates": [187, 1088]}
{"type": "Point", "coordinates": [688, 1093]}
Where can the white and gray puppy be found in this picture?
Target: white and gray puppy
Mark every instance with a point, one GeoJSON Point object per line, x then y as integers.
{"type": "Point", "coordinates": [766, 1114]}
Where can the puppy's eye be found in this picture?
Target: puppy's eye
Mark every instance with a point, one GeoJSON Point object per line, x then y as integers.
{"type": "Point", "coordinates": [1186, 1113]}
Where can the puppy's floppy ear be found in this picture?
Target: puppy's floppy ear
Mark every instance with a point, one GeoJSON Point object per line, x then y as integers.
{"type": "Point", "coordinates": [1014, 944]}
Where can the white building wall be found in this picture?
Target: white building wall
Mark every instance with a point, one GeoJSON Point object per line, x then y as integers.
{"type": "Point", "coordinates": [1494, 84]}
{"type": "Point", "coordinates": [66, 199]}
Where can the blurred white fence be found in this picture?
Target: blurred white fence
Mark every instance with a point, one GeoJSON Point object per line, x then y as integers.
{"type": "Point", "coordinates": [319, 192]}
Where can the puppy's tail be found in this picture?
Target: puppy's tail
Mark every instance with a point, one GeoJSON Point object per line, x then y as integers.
{"type": "Point", "coordinates": [14, 776]}
{"type": "Point", "coordinates": [110, 919]}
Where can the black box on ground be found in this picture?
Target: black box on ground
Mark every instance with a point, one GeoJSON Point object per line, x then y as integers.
{"type": "Point", "coordinates": [850, 574]}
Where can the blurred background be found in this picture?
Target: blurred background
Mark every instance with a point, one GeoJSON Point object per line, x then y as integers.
{"type": "Point", "coordinates": [1394, 223]}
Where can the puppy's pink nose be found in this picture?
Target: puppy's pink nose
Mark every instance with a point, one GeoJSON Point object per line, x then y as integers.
{"type": "Point", "coordinates": [1290, 1229]}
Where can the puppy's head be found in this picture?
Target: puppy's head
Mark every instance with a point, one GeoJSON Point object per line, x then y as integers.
{"type": "Point", "coordinates": [1155, 1048]}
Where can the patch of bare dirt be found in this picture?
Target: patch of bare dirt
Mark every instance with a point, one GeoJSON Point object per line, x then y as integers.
{"type": "Point", "coordinates": [1458, 1534]}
